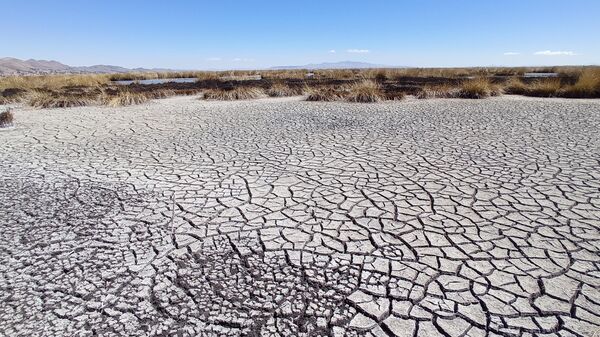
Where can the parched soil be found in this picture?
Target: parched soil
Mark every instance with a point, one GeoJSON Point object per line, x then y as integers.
{"type": "Point", "coordinates": [279, 217]}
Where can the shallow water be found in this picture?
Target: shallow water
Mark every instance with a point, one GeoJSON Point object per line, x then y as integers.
{"type": "Point", "coordinates": [157, 81]}
{"type": "Point", "coordinates": [540, 75]}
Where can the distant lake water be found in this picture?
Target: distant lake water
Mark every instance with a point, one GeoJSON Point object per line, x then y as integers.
{"type": "Point", "coordinates": [158, 81]}
{"type": "Point", "coordinates": [540, 75]}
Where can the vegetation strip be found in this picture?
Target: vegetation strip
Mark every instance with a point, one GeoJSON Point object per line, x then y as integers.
{"type": "Point", "coordinates": [363, 86]}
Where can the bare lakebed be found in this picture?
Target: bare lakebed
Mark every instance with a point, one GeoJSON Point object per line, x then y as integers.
{"type": "Point", "coordinates": [429, 217]}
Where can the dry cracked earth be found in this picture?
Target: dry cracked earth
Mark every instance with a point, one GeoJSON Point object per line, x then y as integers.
{"type": "Point", "coordinates": [288, 218]}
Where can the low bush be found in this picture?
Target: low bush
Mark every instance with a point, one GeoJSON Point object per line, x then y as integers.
{"type": "Point", "coordinates": [125, 98]}
{"type": "Point", "coordinates": [324, 94]}
{"type": "Point", "coordinates": [366, 91]}
{"type": "Point", "coordinates": [515, 86]}
{"type": "Point", "coordinates": [479, 87]}
{"type": "Point", "coordinates": [6, 118]}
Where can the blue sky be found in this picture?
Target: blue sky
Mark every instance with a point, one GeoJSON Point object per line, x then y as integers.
{"type": "Point", "coordinates": [254, 34]}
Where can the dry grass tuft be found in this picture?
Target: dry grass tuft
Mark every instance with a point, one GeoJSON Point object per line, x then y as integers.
{"type": "Point", "coordinates": [587, 85]}
{"type": "Point", "coordinates": [13, 95]}
{"type": "Point", "coordinates": [479, 87]}
{"type": "Point", "coordinates": [324, 94]}
{"type": "Point", "coordinates": [46, 100]}
{"type": "Point", "coordinates": [515, 86]}
{"type": "Point", "coordinates": [125, 98]}
{"type": "Point", "coordinates": [162, 93]}
{"type": "Point", "coordinates": [6, 118]}
{"type": "Point", "coordinates": [366, 91]}
{"type": "Point", "coordinates": [549, 87]}
{"type": "Point", "coordinates": [282, 90]}
{"type": "Point", "coordinates": [52, 82]}
{"type": "Point", "coordinates": [238, 93]}
{"type": "Point", "coordinates": [475, 88]}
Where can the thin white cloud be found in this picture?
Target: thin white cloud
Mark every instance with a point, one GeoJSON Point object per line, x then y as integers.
{"type": "Point", "coordinates": [554, 53]}
{"type": "Point", "coordinates": [332, 51]}
{"type": "Point", "coordinates": [512, 53]}
{"type": "Point", "coordinates": [213, 59]}
{"type": "Point", "coordinates": [241, 59]}
{"type": "Point", "coordinates": [358, 51]}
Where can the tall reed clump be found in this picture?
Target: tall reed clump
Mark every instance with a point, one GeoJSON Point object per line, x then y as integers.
{"type": "Point", "coordinates": [52, 82]}
{"type": "Point", "coordinates": [238, 93]}
{"type": "Point", "coordinates": [366, 91]}
{"type": "Point", "coordinates": [549, 87]}
{"type": "Point", "coordinates": [46, 100]}
{"type": "Point", "coordinates": [479, 87]}
{"type": "Point", "coordinates": [124, 98]}
{"type": "Point", "coordinates": [587, 85]}
{"type": "Point", "coordinates": [6, 118]}
{"type": "Point", "coordinates": [324, 94]}
{"type": "Point", "coordinates": [515, 86]}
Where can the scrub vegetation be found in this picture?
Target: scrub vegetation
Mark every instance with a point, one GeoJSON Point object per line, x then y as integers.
{"type": "Point", "coordinates": [352, 85]}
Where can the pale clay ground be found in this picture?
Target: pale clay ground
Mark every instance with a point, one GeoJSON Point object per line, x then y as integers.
{"type": "Point", "coordinates": [281, 217]}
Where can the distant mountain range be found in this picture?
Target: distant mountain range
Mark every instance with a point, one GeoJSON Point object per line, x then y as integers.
{"type": "Point", "coordinates": [336, 65]}
{"type": "Point", "coordinates": [14, 66]}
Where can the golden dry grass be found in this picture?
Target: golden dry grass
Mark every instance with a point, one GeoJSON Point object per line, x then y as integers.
{"type": "Point", "coordinates": [239, 93]}
{"type": "Point", "coordinates": [587, 85]}
{"type": "Point", "coordinates": [324, 94]}
{"type": "Point", "coordinates": [150, 75]}
{"type": "Point", "coordinates": [515, 86]}
{"type": "Point", "coordinates": [52, 82]}
{"type": "Point", "coordinates": [282, 90]}
{"type": "Point", "coordinates": [161, 93]}
{"type": "Point", "coordinates": [125, 98]}
{"type": "Point", "coordinates": [6, 118]}
{"type": "Point", "coordinates": [11, 95]}
{"type": "Point", "coordinates": [48, 99]}
{"type": "Point", "coordinates": [479, 87]}
{"type": "Point", "coordinates": [548, 87]}
{"type": "Point", "coordinates": [354, 74]}
{"type": "Point", "coordinates": [366, 91]}
{"type": "Point", "coordinates": [45, 100]}
{"type": "Point", "coordinates": [476, 88]}
{"type": "Point", "coordinates": [77, 90]}
{"type": "Point", "coordinates": [297, 74]}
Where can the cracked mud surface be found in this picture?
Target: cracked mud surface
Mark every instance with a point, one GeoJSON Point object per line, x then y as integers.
{"type": "Point", "coordinates": [289, 218]}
